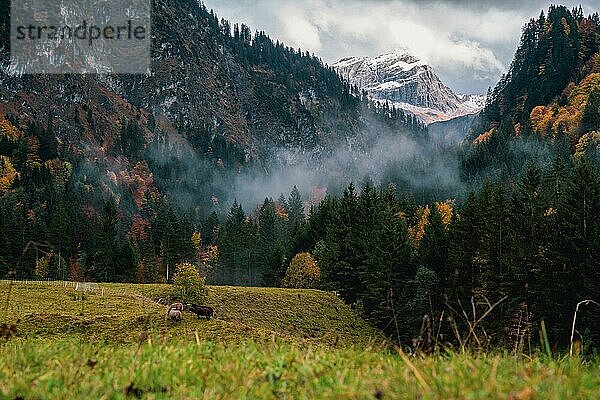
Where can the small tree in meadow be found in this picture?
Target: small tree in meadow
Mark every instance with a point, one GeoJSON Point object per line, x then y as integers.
{"type": "Point", "coordinates": [188, 285]}
{"type": "Point", "coordinates": [303, 273]}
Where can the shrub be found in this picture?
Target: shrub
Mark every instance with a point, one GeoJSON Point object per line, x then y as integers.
{"type": "Point", "coordinates": [188, 285]}
{"type": "Point", "coordinates": [303, 273]}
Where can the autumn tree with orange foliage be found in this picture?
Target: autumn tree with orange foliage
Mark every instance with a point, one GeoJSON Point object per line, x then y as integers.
{"type": "Point", "coordinates": [303, 273]}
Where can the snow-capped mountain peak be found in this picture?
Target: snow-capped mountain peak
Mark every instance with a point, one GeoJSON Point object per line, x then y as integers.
{"type": "Point", "coordinates": [403, 79]}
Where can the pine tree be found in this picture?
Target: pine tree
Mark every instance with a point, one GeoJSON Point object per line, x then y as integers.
{"type": "Point", "coordinates": [581, 229]}
{"type": "Point", "coordinates": [295, 210]}
{"type": "Point", "coordinates": [590, 121]}
{"type": "Point", "coordinates": [433, 251]}
{"type": "Point", "coordinates": [529, 241]}
{"type": "Point", "coordinates": [389, 266]}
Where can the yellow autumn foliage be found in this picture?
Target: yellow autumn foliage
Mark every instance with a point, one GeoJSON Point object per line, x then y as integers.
{"type": "Point", "coordinates": [417, 231]}
{"type": "Point", "coordinates": [565, 120]}
{"type": "Point", "coordinates": [541, 119]}
{"type": "Point", "coordinates": [587, 141]}
{"type": "Point", "coordinates": [446, 208]}
{"type": "Point", "coordinates": [42, 266]}
{"type": "Point", "coordinates": [8, 174]}
{"type": "Point", "coordinates": [210, 254]}
{"type": "Point", "coordinates": [484, 137]}
{"type": "Point", "coordinates": [197, 241]}
{"type": "Point", "coordinates": [581, 93]}
{"type": "Point", "coordinates": [594, 63]}
{"type": "Point", "coordinates": [303, 273]}
{"type": "Point", "coordinates": [33, 159]}
{"type": "Point", "coordinates": [8, 130]}
{"type": "Point", "coordinates": [61, 171]}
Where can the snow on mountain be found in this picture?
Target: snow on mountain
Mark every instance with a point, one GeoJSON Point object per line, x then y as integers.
{"type": "Point", "coordinates": [406, 81]}
{"type": "Point", "coordinates": [476, 100]}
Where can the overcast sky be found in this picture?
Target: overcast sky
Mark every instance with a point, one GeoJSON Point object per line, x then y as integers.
{"type": "Point", "coordinates": [470, 43]}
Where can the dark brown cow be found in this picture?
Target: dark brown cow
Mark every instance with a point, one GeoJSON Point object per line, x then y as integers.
{"type": "Point", "coordinates": [201, 311]}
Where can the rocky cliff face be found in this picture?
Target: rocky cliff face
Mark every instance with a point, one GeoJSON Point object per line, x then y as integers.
{"type": "Point", "coordinates": [409, 83]}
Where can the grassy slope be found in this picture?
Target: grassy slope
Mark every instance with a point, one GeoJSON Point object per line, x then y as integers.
{"type": "Point", "coordinates": [246, 313]}
{"type": "Point", "coordinates": [266, 343]}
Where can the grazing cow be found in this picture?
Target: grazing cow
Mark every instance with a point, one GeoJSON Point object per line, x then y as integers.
{"type": "Point", "coordinates": [175, 312]}
{"type": "Point", "coordinates": [201, 311]}
{"type": "Point", "coordinates": [174, 315]}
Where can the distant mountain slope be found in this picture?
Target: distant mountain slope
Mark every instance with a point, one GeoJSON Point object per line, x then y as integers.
{"type": "Point", "coordinates": [219, 100]}
{"type": "Point", "coordinates": [452, 131]}
{"type": "Point", "coordinates": [558, 54]}
{"type": "Point", "coordinates": [204, 83]}
{"type": "Point", "coordinates": [548, 104]}
{"type": "Point", "coordinates": [409, 83]}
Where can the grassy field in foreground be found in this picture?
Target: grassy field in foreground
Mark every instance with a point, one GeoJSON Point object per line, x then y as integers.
{"type": "Point", "coordinates": [55, 311]}
{"type": "Point", "coordinates": [72, 369]}
{"type": "Point", "coordinates": [264, 343]}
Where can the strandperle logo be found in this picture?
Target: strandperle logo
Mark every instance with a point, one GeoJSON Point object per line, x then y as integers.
{"type": "Point", "coordinates": [86, 32]}
{"type": "Point", "coordinates": [80, 37]}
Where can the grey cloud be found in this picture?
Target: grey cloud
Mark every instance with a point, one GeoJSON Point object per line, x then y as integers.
{"type": "Point", "coordinates": [469, 43]}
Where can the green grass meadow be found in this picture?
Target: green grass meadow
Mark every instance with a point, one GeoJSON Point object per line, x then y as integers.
{"type": "Point", "coordinates": [264, 343]}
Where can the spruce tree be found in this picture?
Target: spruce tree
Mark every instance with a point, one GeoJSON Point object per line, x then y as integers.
{"type": "Point", "coordinates": [266, 243]}
{"type": "Point", "coordinates": [106, 242]}
{"type": "Point", "coordinates": [581, 229]}
{"type": "Point", "coordinates": [295, 210]}
{"type": "Point", "coordinates": [464, 242]}
{"type": "Point", "coordinates": [433, 252]}
{"type": "Point", "coordinates": [234, 247]}
{"type": "Point", "coordinates": [494, 252]}
{"type": "Point", "coordinates": [529, 242]}
{"type": "Point", "coordinates": [210, 229]}
{"type": "Point", "coordinates": [389, 267]}
{"type": "Point", "coordinates": [60, 231]}
{"type": "Point", "coordinates": [340, 259]}
{"type": "Point", "coordinates": [590, 120]}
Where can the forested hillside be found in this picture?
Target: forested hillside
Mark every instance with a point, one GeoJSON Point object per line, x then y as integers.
{"type": "Point", "coordinates": [107, 177]}
{"type": "Point", "coordinates": [540, 108]}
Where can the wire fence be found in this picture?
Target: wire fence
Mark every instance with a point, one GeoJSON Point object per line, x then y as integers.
{"type": "Point", "coordinates": [86, 287]}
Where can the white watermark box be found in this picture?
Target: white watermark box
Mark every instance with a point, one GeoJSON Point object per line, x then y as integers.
{"type": "Point", "coordinates": [80, 37]}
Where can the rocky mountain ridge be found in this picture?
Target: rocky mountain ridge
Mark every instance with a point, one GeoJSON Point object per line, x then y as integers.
{"type": "Point", "coordinates": [409, 83]}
